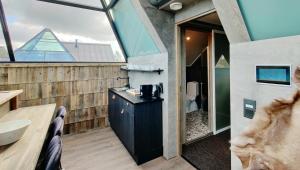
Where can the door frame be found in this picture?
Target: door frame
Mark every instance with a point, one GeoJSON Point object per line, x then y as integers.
{"type": "Point", "coordinates": [215, 131]}
{"type": "Point", "coordinates": [180, 90]}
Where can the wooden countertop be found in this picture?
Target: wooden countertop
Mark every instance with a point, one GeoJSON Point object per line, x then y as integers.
{"type": "Point", "coordinates": [5, 96]}
{"type": "Point", "coordinates": [24, 153]}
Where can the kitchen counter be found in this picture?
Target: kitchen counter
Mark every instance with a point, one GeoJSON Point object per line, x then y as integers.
{"type": "Point", "coordinates": [134, 99]}
{"type": "Point", "coordinates": [24, 153]}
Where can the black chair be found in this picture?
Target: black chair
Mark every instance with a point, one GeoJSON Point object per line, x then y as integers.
{"type": "Point", "coordinates": [61, 112]}
{"type": "Point", "coordinates": [56, 128]}
{"type": "Point", "coordinates": [53, 154]}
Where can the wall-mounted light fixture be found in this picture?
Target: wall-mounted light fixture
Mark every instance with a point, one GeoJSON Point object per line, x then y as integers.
{"type": "Point", "coordinates": [188, 38]}
{"type": "Point", "coordinates": [175, 6]}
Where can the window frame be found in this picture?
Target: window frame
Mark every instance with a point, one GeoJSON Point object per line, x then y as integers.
{"type": "Point", "coordinates": [105, 8]}
{"type": "Point", "coordinates": [6, 34]}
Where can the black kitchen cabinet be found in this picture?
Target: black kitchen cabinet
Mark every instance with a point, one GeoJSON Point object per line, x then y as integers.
{"type": "Point", "coordinates": [138, 124]}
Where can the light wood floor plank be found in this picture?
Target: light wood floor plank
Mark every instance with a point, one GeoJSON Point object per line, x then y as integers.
{"type": "Point", "coordinates": [102, 150]}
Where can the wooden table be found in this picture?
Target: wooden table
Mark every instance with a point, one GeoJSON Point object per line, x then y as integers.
{"type": "Point", "coordinates": [8, 101]}
{"type": "Point", "coordinates": [24, 153]}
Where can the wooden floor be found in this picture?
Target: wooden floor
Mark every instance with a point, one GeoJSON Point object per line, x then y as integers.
{"type": "Point", "coordinates": [101, 150]}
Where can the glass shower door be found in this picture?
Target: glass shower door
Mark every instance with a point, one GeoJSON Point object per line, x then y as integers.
{"type": "Point", "coordinates": [221, 82]}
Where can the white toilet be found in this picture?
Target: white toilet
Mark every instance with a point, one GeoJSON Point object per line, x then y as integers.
{"type": "Point", "coordinates": [191, 95]}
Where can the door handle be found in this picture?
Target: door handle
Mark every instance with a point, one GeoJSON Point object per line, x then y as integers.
{"type": "Point", "coordinates": [122, 111]}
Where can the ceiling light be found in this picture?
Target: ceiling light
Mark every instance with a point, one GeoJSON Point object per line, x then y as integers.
{"type": "Point", "coordinates": [188, 38]}
{"type": "Point", "coordinates": [175, 6]}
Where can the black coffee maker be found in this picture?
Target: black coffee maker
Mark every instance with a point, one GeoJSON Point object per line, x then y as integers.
{"type": "Point", "coordinates": [146, 91]}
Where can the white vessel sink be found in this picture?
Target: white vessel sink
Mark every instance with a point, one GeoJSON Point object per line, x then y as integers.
{"type": "Point", "coordinates": [12, 131]}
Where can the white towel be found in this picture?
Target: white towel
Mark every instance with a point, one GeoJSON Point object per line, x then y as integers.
{"type": "Point", "coordinates": [192, 90]}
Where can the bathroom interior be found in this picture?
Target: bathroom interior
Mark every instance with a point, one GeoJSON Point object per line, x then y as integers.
{"type": "Point", "coordinates": [206, 76]}
{"type": "Point", "coordinates": [196, 43]}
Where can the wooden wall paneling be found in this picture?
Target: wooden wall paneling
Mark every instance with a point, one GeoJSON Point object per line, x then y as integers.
{"type": "Point", "coordinates": [21, 75]}
{"type": "Point", "coordinates": [3, 87]}
{"type": "Point", "coordinates": [73, 102]}
{"type": "Point", "coordinates": [53, 86]}
{"type": "Point", "coordinates": [30, 75]}
{"type": "Point", "coordinates": [46, 90]}
{"type": "Point", "coordinates": [3, 76]}
{"type": "Point", "coordinates": [32, 91]}
{"type": "Point", "coordinates": [82, 89]}
{"type": "Point", "coordinates": [22, 96]}
{"type": "Point", "coordinates": [38, 75]}
{"type": "Point", "coordinates": [84, 115]}
{"type": "Point", "coordinates": [79, 87]}
{"type": "Point", "coordinates": [71, 115]}
{"type": "Point", "coordinates": [93, 72]}
{"type": "Point", "coordinates": [78, 113]}
{"type": "Point", "coordinates": [98, 111]}
{"type": "Point", "coordinates": [67, 73]}
{"type": "Point", "coordinates": [67, 102]}
{"type": "Point", "coordinates": [52, 72]}
{"type": "Point", "coordinates": [102, 122]}
{"type": "Point", "coordinates": [92, 113]}
{"type": "Point", "coordinates": [67, 88]}
{"type": "Point", "coordinates": [12, 76]}
{"type": "Point", "coordinates": [60, 88]}
{"type": "Point", "coordinates": [103, 85]}
{"type": "Point", "coordinates": [100, 72]}
{"type": "Point", "coordinates": [85, 100]}
{"type": "Point", "coordinates": [74, 87]}
{"type": "Point", "coordinates": [59, 101]}
{"type": "Point", "coordinates": [80, 101]}
{"type": "Point", "coordinates": [60, 74]}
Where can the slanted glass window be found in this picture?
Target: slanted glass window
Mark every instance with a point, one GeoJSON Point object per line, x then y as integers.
{"type": "Point", "coordinates": [94, 3]}
{"type": "Point", "coordinates": [47, 32]}
{"type": "Point", "coordinates": [3, 49]}
{"type": "Point", "coordinates": [136, 39]}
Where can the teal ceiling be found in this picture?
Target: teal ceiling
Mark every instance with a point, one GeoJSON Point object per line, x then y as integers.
{"type": "Point", "coordinates": [267, 19]}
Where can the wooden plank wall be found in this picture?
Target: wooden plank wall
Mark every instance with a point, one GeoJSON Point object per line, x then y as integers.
{"type": "Point", "coordinates": [81, 88]}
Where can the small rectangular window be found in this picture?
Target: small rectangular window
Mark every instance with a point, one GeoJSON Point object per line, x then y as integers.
{"type": "Point", "coordinates": [273, 74]}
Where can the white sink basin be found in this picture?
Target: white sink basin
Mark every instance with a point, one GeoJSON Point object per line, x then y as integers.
{"type": "Point", "coordinates": [12, 131]}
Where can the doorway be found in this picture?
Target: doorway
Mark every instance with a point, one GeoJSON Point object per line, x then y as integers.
{"type": "Point", "coordinates": [196, 103]}
{"type": "Point", "coordinates": [205, 95]}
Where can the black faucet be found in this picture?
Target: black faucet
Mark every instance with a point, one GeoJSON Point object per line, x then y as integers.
{"type": "Point", "coordinates": [122, 78]}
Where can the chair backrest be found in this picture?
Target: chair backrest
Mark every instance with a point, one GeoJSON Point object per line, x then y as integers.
{"type": "Point", "coordinates": [61, 112]}
{"type": "Point", "coordinates": [56, 127]}
{"type": "Point", "coordinates": [53, 154]}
